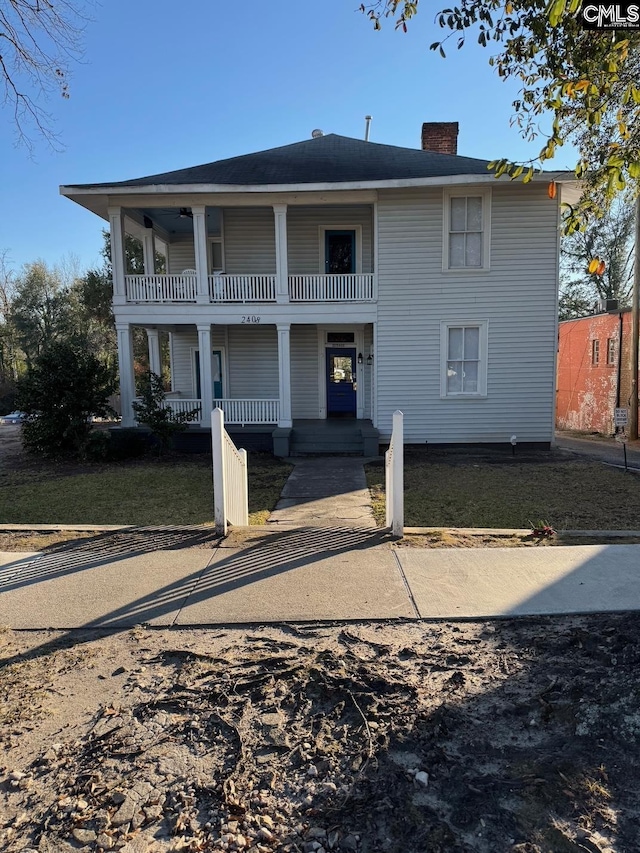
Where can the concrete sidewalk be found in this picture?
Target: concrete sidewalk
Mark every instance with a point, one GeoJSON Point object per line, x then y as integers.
{"type": "Point", "coordinates": [313, 574]}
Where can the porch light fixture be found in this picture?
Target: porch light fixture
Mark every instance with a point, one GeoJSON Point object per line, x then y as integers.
{"type": "Point", "coordinates": [369, 359]}
{"type": "Point", "coordinates": [359, 358]}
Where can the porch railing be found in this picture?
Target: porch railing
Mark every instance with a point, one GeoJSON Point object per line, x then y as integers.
{"type": "Point", "coordinates": [242, 288]}
{"type": "Point", "coordinates": [357, 287]}
{"type": "Point", "coordinates": [161, 288]}
{"type": "Point", "coordinates": [249, 411]}
{"type": "Point", "coordinates": [178, 406]}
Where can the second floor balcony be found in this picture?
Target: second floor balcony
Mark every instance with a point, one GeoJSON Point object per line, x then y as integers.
{"type": "Point", "coordinates": [246, 255]}
{"type": "Point", "coordinates": [247, 289]}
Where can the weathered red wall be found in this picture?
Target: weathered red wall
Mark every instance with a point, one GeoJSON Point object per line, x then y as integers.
{"type": "Point", "coordinates": [586, 393]}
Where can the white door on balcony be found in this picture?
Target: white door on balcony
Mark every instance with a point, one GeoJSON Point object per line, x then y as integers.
{"type": "Point", "coordinates": [216, 373]}
{"type": "Point", "coordinates": [339, 252]}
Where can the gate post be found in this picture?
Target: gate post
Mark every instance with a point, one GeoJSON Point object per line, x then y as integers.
{"type": "Point", "coordinates": [397, 474]}
{"type": "Point", "coordinates": [219, 508]}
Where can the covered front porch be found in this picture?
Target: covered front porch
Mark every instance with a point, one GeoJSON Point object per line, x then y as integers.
{"type": "Point", "coordinates": [308, 384]}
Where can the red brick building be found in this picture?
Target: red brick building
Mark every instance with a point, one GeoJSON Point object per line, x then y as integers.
{"type": "Point", "coordinates": [593, 375]}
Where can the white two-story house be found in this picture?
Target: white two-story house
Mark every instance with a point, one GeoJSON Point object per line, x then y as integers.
{"type": "Point", "coordinates": [329, 282]}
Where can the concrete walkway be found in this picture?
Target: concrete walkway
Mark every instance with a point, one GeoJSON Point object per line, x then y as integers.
{"type": "Point", "coordinates": [320, 559]}
{"type": "Point", "coordinates": [325, 492]}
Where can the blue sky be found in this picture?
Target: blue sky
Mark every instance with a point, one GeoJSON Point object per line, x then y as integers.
{"type": "Point", "coordinates": [166, 85]}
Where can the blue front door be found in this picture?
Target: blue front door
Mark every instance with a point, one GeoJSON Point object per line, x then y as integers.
{"type": "Point", "coordinates": [341, 383]}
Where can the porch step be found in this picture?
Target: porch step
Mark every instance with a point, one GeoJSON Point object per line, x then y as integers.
{"type": "Point", "coordinates": [333, 439]}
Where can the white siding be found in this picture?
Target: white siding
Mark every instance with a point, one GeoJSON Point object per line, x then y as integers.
{"type": "Point", "coordinates": [249, 240]}
{"type": "Point", "coordinates": [517, 296]}
{"type": "Point", "coordinates": [253, 362]}
{"type": "Point", "coordinates": [305, 402]}
{"type": "Point", "coordinates": [181, 257]}
{"type": "Point", "coordinates": [303, 224]}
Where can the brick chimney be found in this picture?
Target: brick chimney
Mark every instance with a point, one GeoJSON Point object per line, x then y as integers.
{"type": "Point", "coordinates": [440, 136]}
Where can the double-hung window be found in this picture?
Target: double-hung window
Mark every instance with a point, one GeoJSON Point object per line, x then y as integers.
{"type": "Point", "coordinates": [466, 229]}
{"type": "Point", "coordinates": [464, 359]}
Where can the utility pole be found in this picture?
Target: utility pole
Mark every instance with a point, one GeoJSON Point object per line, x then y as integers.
{"type": "Point", "coordinates": [635, 328]}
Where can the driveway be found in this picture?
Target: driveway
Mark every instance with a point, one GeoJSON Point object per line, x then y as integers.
{"type": "Point", "coordinates": [599, 448]}
{"type": "Point", "coordinates": [10, 443]}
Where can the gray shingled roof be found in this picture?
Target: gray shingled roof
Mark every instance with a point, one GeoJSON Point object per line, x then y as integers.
{"type": "Point", "coordinates": [327, 159]}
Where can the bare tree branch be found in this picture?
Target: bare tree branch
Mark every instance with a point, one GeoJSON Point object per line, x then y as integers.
{"type": "Point", "coordinates": [39, 42]}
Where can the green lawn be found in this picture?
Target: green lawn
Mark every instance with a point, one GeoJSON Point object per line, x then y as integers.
{"type": "Point", "coordinates": [505, 492]}
{"type": "Point", "coordinates": [155, 492]}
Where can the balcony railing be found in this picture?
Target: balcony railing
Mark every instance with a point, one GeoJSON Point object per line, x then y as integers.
{"type": "Point", "coordinates": [229, 289]}
{"type": "Point", "coordinates": [161, 288]}
{"type": "Point", "coordinates": [249, 411]}
{"type": "Point", "coordinates": [356, 287]}
{"type": "Point", "coordinates": [242, 288]}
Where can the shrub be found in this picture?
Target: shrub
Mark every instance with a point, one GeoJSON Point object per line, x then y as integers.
{"type": "Point", "coordinates": [153, 411]}
{"type": "Point", "coordinates": [65, 387]}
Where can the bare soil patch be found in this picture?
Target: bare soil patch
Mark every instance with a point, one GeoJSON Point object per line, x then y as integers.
{"type": "Point", "coordinates": [507, 736]}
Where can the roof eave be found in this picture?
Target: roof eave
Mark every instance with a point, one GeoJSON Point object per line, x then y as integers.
{"type": "Point", "coordinates": [391, 183]}
{"type": "Point", "coordinates": [94, 196]}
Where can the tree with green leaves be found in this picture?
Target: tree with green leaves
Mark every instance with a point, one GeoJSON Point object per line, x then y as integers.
{"type": "Point", "coordinates": [95, 291]}
{"type": "Point", "coordinates": [65, 386]}
{"type": "Point", "coordinates": [41, 310]}
{"type": "Point", "coordinates": [152, 411]}
{"type": "Point", "coordinates": [609, 241]}
{"type": "Point", "coordinates": [587, 81]}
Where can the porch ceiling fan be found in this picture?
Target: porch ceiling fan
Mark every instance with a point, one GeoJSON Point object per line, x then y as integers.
{"type": "Point", "coordinates": [182, 213]}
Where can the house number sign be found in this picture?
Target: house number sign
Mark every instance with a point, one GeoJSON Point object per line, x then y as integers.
{"type": "Point", "coordinates": [251, 319]}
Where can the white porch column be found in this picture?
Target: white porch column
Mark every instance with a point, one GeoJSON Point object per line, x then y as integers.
{"type": "Point", "coordinates": [284, 374]}
{"type": "Point", "coordinates": [200, 246]}
{"type": "Point", "coordinates": [116, 229]}
{"type": "Point", "coordinates": [206, 375]}
{"type": "Point", "coordinates": [153, 339]}
{"type": "Point", "coordinates": [282, 259]}
{"type": "Point", "coordinates": [125, 365]}
{"type": "Point", "coordinates": [149, 251]}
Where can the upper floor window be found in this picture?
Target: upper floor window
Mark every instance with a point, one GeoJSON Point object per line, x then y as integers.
{"type": "Point", "coordinates": [611, 350]}
{"type": "Point", "coordinates": [466, 229]}
{"type": "Point", "coordinates": [216, 255]}
{"type": "Point", "coordinates": [464, 359]}
{"type": "Point", "coordinates": [595, 353]}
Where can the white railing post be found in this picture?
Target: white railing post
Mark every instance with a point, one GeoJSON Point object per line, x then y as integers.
{"type": "Point", "coordinates": [284, 374]}
{"type": "Point", "coordinates": [394, 477]}
{"type": "Point", "coordinates": [219, 492]}
{"type": "Point", "coordinates": [125, 370]}
{"type": "Point", "coordinates": [282, 274]}
{"type": "Point", "coordinates": [200, 247]}
{"type": "Point", "coordinates": [155, 361]}
{"type": "Point", "coordinates": [149, 251]}
{"type": "Point", "coordinates": [206, 367]}
{"type": "Point", "coordinates": [244, 489]}
{"type": "Point", "coordinates": [116, 230]}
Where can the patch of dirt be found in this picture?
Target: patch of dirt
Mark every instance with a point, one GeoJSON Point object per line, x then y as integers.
{"type": "Point", "coordinates": [147, 539]}
{"type": "Point", "coordinates": [134, 540]}
{"type": "Point", "coordinates": [520, 735]}
{"type": "Point", "coordinates": [453, 539]}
